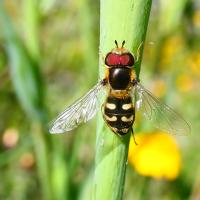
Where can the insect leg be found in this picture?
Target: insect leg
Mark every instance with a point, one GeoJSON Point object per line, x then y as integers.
{"type": "Point", "coordinates": [104, 82]}
{"type": "Point", "coordinates": [132, 132]}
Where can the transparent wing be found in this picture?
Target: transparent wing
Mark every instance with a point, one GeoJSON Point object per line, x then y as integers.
{"type": "Point", "coordinates": [81, 111]}
{"type": "Point", "coordinates": [160, 114]}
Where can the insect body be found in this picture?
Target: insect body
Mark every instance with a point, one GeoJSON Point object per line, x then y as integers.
{"type": "Point", "coordinates": [125, 95]}
{"type": "Point", "coordinates": [119, 112]}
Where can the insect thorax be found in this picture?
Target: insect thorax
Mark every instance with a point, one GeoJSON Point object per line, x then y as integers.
{"type": "Point", "coordinates": [119, 77]}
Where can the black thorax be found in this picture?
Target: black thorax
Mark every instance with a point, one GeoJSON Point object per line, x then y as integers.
{"type": "Point", "coordinates": [119, 77]}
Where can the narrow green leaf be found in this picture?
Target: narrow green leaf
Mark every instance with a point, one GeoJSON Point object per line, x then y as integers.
{"type": "Point", "coordinates": [24, 71]}
{"type": "Point", "coordinates": [31, 19]}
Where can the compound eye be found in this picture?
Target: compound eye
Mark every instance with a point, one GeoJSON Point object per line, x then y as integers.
{"type": "Point", "coordinates": [112, 59]}
{"type": "Point", "coordinates": [127, 59]}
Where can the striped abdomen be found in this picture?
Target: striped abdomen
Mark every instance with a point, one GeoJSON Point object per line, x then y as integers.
{"type": "Point", "coordinates": [119, 113]}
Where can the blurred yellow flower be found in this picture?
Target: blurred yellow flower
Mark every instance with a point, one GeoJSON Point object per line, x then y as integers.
{"type": "Point", "coordinates": [170, 47]}
{"type": "Point", "coordinates": [184, 82]}
{"type": "Point", "coordinates": [196, 18]}
{"type": "Point", "coordinates": [194, 63]}
{"type": "Point", "coordinates": [159, 88]}
{"type": "Point", "coordinates": [156, 155]}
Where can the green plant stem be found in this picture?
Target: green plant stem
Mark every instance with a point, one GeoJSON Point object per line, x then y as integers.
{"type": "Point", "coordinates": [41, 152]}
{"type": "Point", "coordinates": [119, 20]}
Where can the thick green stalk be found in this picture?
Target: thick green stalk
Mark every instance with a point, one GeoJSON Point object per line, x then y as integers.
{"type": "Point", "coordinates": [119, 20]}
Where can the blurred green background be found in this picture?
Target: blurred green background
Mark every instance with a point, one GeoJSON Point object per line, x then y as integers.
{"type": "Point", "coordinates": [49, 58]}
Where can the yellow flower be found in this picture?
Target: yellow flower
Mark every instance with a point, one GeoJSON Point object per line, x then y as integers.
{"type": "Point", "coordinates": [184, 82]}
{"type": "Point", "coordinates": [170, 48]}
{"type": "Point", "coordinates": [194, 63]}
{"type": "Point", "coordinates": [196, 18]}
{"type": "Point", "coordinates": [156, 155]}
{"type": "Point", "coordinates": [159, 88]}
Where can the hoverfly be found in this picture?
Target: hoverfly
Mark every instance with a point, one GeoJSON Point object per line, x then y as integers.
{"type": "Point", "coordinates": [125, 95]}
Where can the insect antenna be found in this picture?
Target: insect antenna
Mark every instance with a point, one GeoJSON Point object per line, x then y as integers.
{"type": "Point", "coordinates": [116, 43]}
{"type": "Point", "coordinates": [123, 43]}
